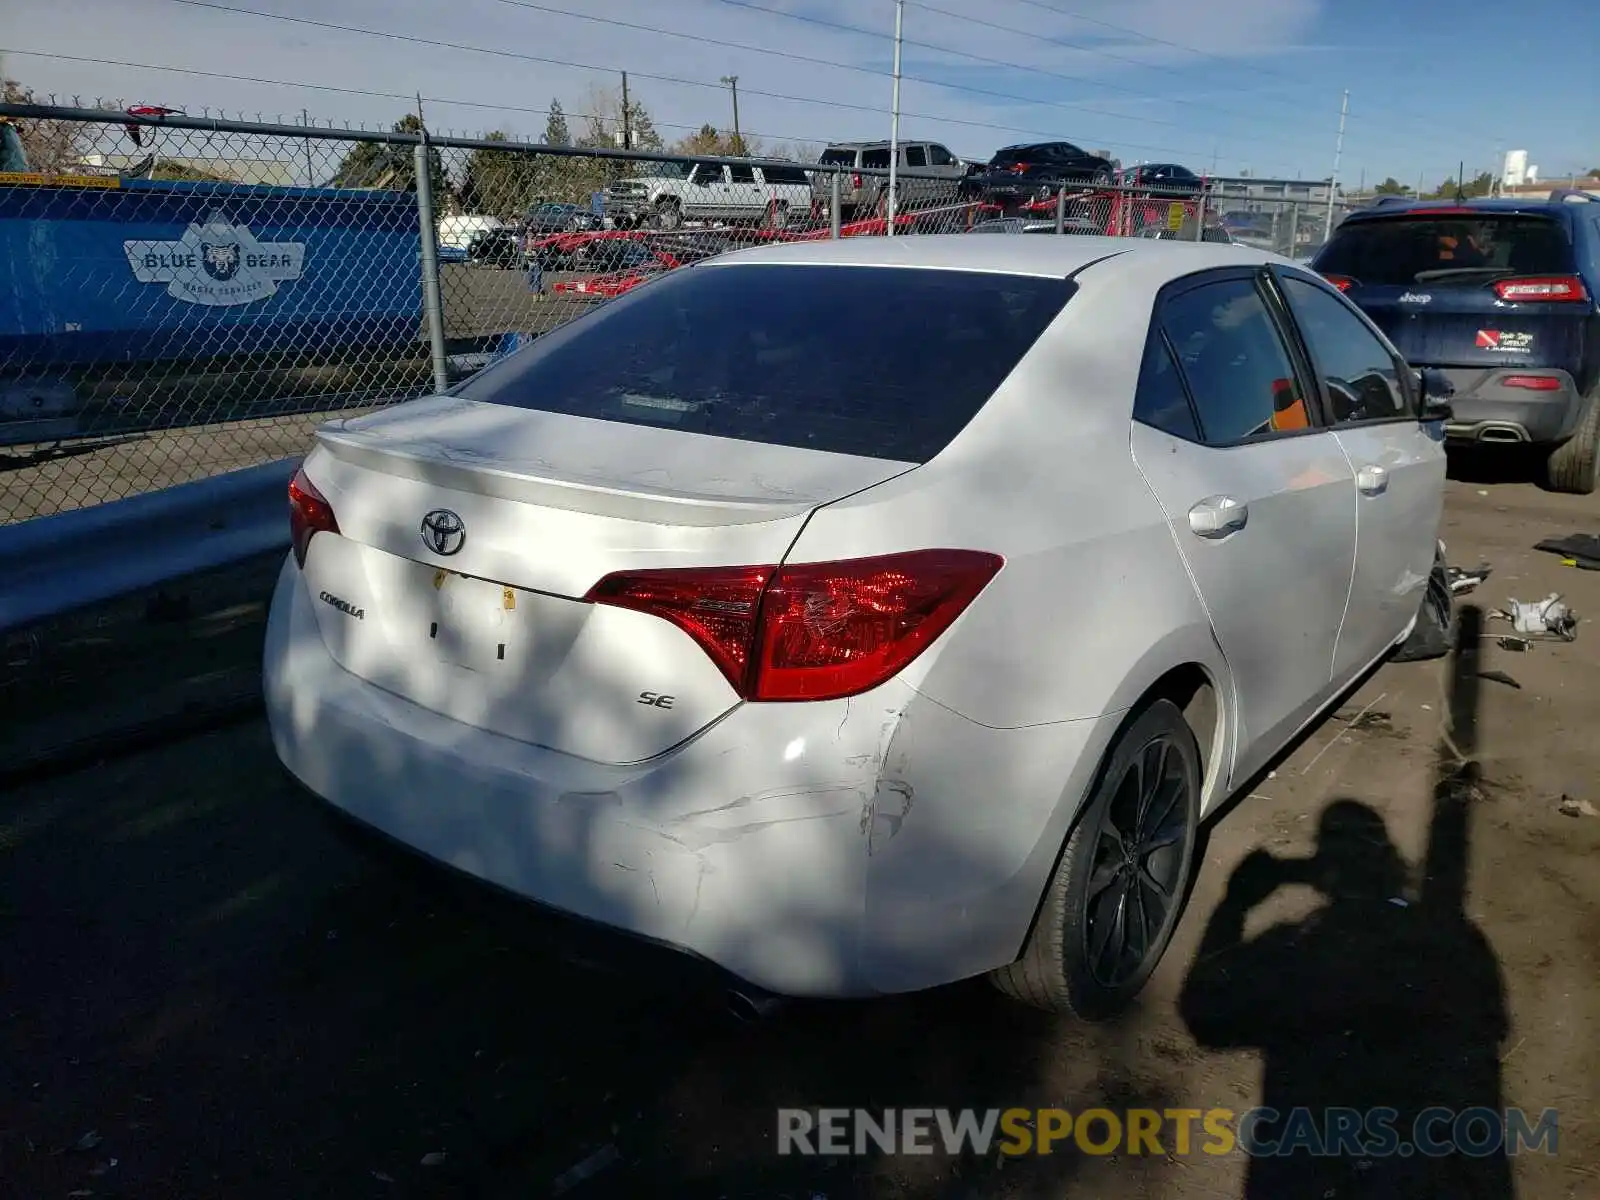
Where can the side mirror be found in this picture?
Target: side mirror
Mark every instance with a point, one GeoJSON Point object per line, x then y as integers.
{"type": "Point", "coordinates": [1436, 390]}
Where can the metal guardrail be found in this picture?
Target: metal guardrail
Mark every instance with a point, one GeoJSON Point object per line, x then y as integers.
{"type": "Point", "coordinates": [57, 564]}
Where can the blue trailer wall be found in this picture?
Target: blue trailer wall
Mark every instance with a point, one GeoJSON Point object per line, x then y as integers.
{"type": "Point", "coordinates": [147, 271]}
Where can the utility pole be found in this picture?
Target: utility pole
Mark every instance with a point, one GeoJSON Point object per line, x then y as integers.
{"type": "Point", "coordinates": [733, 85]}
{"type": "Point", "coordinates": [311, 170]}
{"type": "Point", "coordinates": [627, 116]}
{"type": "Point", "coordinates": [894, 120]}
{"type": "Point", "coordinates": [1333, 180]}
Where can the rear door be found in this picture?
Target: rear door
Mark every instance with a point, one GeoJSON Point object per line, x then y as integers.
{"type": "Point", "coordinates": [1399, 466]}
{"type": "Point", "coordinates": [472, 526]}
{"type": "Point", "coordinates": [1436, 282]}
{"type": "Point", "coordinates": [1259, 495]}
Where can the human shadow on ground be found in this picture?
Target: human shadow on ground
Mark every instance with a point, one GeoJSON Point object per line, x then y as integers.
{"type": "Point", "coordinates": [1382, 1011]}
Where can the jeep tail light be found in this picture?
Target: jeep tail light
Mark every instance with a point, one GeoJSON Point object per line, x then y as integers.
{"type": "Point", "coordinates": [855, 182]}
{"type": "Point", "coordinates": [1343, 282]}
{"type": "Point", "coordinates": [1532, 383]}
{"type": "Point", "coordinates": [1542, 289]}
{"type": "Point", "coordinates": [309, 513]}
{"type": "Point", "coordinates": [810, 631]}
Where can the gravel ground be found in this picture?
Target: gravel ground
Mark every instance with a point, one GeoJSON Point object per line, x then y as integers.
{"type": "Point", "coordinates": [208, 995]}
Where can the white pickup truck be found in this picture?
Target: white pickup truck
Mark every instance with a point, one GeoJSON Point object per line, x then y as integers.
{"type": "Point", "coordinates": [764, 195]}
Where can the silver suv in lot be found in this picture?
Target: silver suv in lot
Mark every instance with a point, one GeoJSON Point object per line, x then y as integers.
{"type": "Point", "coordinates": [934, 174]}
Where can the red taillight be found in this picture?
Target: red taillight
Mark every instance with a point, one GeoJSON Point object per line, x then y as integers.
{"type": "Point", "coordinates": [309, 513]}
{"type": "Point", "coordinates": [1542, 289]}
{"type": "Point", "coordinates": [810, 631]}
{"type": "Point", "coordinates": [1343, 282]}
{"type": "Point", "coordinates": [1532, 383]}
{"type": "Point", "coordinates": [1018, 168]}
{"type": "Point", "coordinates": [855, 182]}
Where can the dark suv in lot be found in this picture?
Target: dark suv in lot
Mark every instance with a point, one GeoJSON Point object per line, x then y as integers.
{"type": "Point", "coordinates": [1500, 295]}
{"type": "Point", "coordinates": [1020, 175]}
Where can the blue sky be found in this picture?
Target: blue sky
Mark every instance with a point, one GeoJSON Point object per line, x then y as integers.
{"type": "Point", "coordinates": [1231, 84]}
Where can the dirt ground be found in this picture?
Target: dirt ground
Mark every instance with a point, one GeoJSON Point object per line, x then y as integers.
{"type": "Point", "coordinates": [206, 994]}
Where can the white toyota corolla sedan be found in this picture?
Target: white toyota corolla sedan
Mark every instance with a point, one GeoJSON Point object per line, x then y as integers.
{"type": "Point", "coordinates": [868, 614]}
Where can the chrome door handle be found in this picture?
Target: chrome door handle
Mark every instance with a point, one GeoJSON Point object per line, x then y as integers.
{"type": "Point", "coordinates": [1218, 516]}
{"type": "Point", "coordinates": [1372, 480]}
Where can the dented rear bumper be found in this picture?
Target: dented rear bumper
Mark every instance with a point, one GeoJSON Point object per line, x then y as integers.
{"type": "Point", "coordinates": [840, 848]}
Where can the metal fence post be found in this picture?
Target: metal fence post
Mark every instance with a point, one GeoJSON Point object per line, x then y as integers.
{"type": "Point", "coordinates": [1294, 228]}
{"type": "Point", "coordinates": [432, 308]}
{"type": "Point", "coordinates": [1061, 210]}
{"type": "Point", "coordinates": [1200, 217]}
{"type": "Point", "coordinates": [835, 198]}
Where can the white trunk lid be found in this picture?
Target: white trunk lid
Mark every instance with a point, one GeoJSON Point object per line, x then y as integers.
{"type": "Point", "coordinates": [495, 634]}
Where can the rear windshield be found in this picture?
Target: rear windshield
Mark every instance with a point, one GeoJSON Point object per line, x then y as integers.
{"type": "Point", "coordinates": [1442, 250]}
{"type": "Point", "coordinates": [838, 158]}
{"type": "Point", "coordinates": [785, 175]}
{"type": "Point", "coordinates": [880, 362]}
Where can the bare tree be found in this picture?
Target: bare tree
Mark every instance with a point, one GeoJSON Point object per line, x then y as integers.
{"type": "Point", "coordinates": [52, 147]}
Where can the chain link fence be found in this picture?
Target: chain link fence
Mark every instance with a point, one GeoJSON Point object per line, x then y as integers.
{"type": "Point", "coordinates": [190, 296]}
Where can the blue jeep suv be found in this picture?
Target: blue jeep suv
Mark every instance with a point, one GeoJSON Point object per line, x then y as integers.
{"type": "Point", "coordinates": [1503, 296]}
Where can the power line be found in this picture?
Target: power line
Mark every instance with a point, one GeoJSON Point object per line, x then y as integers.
{"type": "Point", "coordinates": [407, 97]}
{"type": "Point", "coordinates": [858, 30]}
{"type": "Point", "coordinates": [666, 79]}
{"type": "Point", "coordinates": [1231, 63]}
{"type": "Point", "coordinates": [811, 60]}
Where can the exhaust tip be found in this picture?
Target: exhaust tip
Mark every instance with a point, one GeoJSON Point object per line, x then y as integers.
{"type": "Point", "coordinates": [1501, 434]}
{"type": "Point", "coordinates": [751, 1010]}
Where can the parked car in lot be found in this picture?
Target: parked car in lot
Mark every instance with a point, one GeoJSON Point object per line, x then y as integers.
{"type": "Point", "coordinates": [457, 232]}
{"type": "Point", "coordinates": [935, 174]}
{"type": "Point", "coordinates": [703, 618]}
{"type": "Point", "coordinates": [744, 193]}
{"type": "Point", "coordinates": [1501, 295]}
{"type": "Point", "coordinates": [497, 247]}
{"type": "Point", "coordinates": [1165, 178]}
{"type": "Point", "coordinates": [1020, 175]}
{"type": "Point", "coordinates": [555, 217]}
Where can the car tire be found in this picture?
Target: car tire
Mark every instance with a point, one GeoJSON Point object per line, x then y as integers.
{"type": "Point", "coordinates": [1571, 466]}
{"type": "Point", "coordinates": [1062, 968]}
{"type": "Point", "coordinates": [668, 215]}
{"type": "Point", "coordinates": [1434, 633]}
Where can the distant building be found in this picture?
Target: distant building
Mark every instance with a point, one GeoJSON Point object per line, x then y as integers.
{"type": "Point", "coordinates": [1252, 194]}
{"type": "Point", "coordinates": [1516, 171]}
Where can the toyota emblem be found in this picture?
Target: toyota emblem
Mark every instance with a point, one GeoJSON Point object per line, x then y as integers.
{"type": "Point", "coordinates": [443, 532]}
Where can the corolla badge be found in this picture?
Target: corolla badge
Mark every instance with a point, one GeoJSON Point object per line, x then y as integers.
{"type": "Point", "coordinates": [443, 532]}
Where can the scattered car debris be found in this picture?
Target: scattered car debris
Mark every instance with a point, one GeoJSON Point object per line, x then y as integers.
{"type": "Point", "coordinates": [1516, 645]}
{"type": "Point", "coordinates": [602, 1158]}
{"type": "Point", "coordinates": [1548, 619]}
{"type": "Point", "coordinates": [1463, 581]}
{"type": "Point", "coordinates": [1572, 807]}
{"type": "Point", "coordinates": [88, 1141]}
{"type": "Point", "coordinates": [434, 1159]}
{"type": "Point", "coordinates": [1581, 550]}
{"type": "Point", "coordinates": [382, 1177]}
{"type": "Point", "coordinates": [1499, 677]}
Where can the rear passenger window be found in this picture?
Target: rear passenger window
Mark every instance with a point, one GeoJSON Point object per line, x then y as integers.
{"type": "Point", "coordinates": [1360, 375]}
{"type": "Point", "coordinates": [742, 174]}
{"type": "Point", "coordinates": [916, 156]}
{"type": "Point", "coordinates": [875, 160]}
{"type": "Point", "coordinates": [1161, 402]}
{"type": "Point", "coordinates": [1234, 360]}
